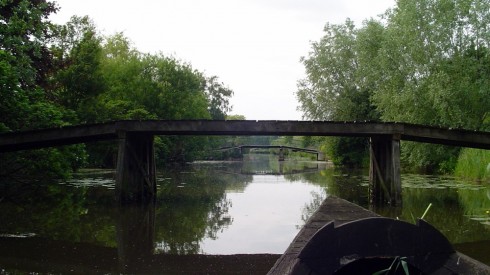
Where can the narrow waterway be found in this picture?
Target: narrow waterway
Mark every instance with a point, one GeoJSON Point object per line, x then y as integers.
{"type": "Point", "coordinates": [210, 208]}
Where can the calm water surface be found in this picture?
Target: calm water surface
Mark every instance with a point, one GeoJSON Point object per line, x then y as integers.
{"type": "Point", "coordinates": [218, 208]}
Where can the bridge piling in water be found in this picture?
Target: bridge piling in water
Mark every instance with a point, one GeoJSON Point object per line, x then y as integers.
{"type": "Point", "coordinates": [281, 154]}
{"type": "Point", "coordinates": [136, 170]}
{"type": "Point", "coordinates": [384, 170]}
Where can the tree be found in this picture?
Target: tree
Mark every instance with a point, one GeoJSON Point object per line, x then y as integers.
{"type": "Point", "coordinates": [425, 62]}
{"type": "Point", "coordinates": [26, 67]}
{"type": "Point", "coordinates": [336, 89]}
{"type": "Point", "coordinates": [59, 75]}
{"type": "Point", "coordinates": [218, 97]}
{"type": "Point", "coordinates": [79, 53]}
{"type": "Point", "coordinates": [25, 63]}
{"type": "Point", "coordinates": [434, 59]}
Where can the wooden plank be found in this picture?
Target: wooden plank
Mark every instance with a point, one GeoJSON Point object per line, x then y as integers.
{"type": "Point", "coordinates": [262, 127]}
{"type": "Point", "coordinates": [136, 172]}
{"type": "Point", "coordinates": [452, 137]}
{"type": "Point", "coordinates": [42, 138]}
{"type": "Point", "coordinates": [384, 171]}
{"type": "Point", "coordinates": [332, 209]}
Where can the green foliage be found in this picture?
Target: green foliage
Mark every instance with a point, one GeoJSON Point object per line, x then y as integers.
{"type": "Point", "coordinates": [42, 164]}
{"type": "Point", "coordinates": [335, 87]}
{"type": "Point", "coordinates": [235, 117]}
{"type": "Point", "coordinates": [26, 67]}
{"type": "Point", "coordinates": [218, 97]}
{"type": "Point", "coordinates": [80, 80]}
{"type": "Point", "coordinates": [436, 75]}
{"type": "Point", "coordinates": [425, 61]}
{"type": "Point", "coordinates": [107, 79]}
{"type": "Point", "coordinates": [350, 152]}
{"type": "Point", "coordinates": [474, 164]}
{"type": "Point", "coordinates": [56, 75]}
{"type": "Point", "coordinates": [25, 63]}
{"type": "Point", "coordinates": [187, 215]}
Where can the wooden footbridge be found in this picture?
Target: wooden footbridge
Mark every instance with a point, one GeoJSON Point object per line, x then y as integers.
{"type": "Point", "coordinates": [136, 176]}
{"type": "Point", "coordinates": [319, 155]}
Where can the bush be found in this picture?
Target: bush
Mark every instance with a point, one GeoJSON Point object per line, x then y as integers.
{"type": "Point", "coordinates": [474, 164]}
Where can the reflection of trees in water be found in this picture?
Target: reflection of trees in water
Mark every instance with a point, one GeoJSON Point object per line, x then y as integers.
{"type": "Point", "coordinates": [310, 208]}
{"type": "Point", "coordinates": [449, 213]}
{"type": "Point", "coordinates": [321, 178]}
{"type": "Point", "coordinates": [476, 203]}
{"type": "Point", "coordinates": [58, 212]}
{"type": "Point", "coordinates": [193, 206]}
{"type": "Point", "coordinates": [269, 165]}
{"type": "Point", "coordinates": [453, 205]}
{"type": "Point", "coordinates": [350, 185]}
{"type": "Point", "coordinates": [459, 210]}
{"type": "Point", "coordinates": [346, 184]}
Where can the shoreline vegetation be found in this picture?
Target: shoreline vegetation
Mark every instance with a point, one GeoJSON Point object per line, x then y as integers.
{"type": "Point", "coordinates": [69, 74]}
{"type": "Point", "coordinates": [473, 164]}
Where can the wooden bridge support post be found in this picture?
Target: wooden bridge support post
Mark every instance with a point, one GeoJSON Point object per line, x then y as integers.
{"type": "Point", "coordinates": [384, 171]}
{"type": "Point", "coordinates": [136, 170]}
{"type": "Point", "coordinates": [281, 154]}
{"type": "Point", "coordinates": [320, 156]}
{"type": "Point", "coordinates": [241, 152]}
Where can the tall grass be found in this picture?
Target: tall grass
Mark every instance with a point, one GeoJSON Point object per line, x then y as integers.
{"type": "Point", "coordinates": [474, 164]}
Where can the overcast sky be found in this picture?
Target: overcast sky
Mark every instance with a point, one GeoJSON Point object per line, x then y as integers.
{"type": "Point", "coordinates": [253, 46]}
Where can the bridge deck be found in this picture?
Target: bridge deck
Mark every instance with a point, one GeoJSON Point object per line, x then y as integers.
{"type": "Point", "coordinates": [86, 133]}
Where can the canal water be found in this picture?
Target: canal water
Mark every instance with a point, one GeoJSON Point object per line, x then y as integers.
{"type": "Point", "coordinates": [211, 208]}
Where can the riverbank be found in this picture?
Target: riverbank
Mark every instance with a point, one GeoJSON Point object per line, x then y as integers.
{"type": "Point", "coordinates": [474, 164]}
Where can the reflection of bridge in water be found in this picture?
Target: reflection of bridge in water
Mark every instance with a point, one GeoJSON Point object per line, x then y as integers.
{"type": "Point", "coordinates": [282, 150]}
{"type": "Point", "coordinates": [281, 168]}
{"type": "Point", "coordinates": [134, 254]}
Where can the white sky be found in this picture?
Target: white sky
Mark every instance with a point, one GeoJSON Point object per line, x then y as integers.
{"type": "Point", "coordinates": [253, 46]}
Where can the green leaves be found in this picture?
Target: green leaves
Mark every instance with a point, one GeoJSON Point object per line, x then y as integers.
{"type": "Point", "coordinates": [218, 96]}
{"type": "Point", "coordinates": [70, 74]}
{"type": "Point", "coordinates": [426, 62]}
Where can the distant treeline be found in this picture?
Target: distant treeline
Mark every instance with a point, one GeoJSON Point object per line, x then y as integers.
{"type": "Point", "coordinates": [423, 61]}
{"type": "Point", "coordinates": [56, 75]}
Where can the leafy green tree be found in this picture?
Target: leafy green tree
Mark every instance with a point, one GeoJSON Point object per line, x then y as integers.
{"type": "Point", "coordinates": [26, 66]}
{"type": "Point", "coordinates": [336, 89]}
{"type": "Point", "coordinates": [218, 97]}
{"type": "Point", "coordinates": [425, 61]}
{"type": "Point", "coordinates": [434, 58]}
{"type": "Point", "coordinates": [55, 75]}
{"type": "Point", "coordinates": [79, 81]}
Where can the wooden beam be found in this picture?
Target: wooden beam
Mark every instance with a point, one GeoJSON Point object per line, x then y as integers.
{"type": "Point", "coordinates": [22, 140]}
{"type": "Point", "coordinates": [42, 138]}
{"type": "Point", "coordinates": [136, 169]}
{"type": "Point", "coordinates": [281, 154]}
{"type": "Point", "coordinates": [384, 170]}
